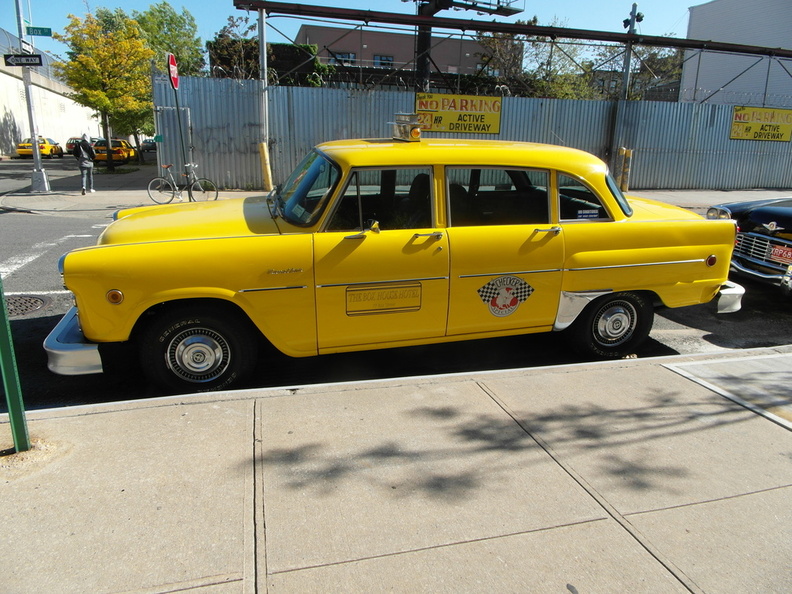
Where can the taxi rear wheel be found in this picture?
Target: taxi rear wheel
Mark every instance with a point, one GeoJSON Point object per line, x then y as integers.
{"type": "Point", "coordinates": [197, 349]}
{"type": "Point", "coordinates": [613, 326]}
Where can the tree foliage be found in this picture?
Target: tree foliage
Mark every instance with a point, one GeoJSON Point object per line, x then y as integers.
{"type": "Point", "coordinates": [167, 31]}
{"type": "Point", "coordinates": [534, 66]}
{"type": "Point", "coordinates": [234, 53]}
{"type": "Point", "coordinates": [108, 65]}
{"type": "Point", "coordinates": [654, 72]}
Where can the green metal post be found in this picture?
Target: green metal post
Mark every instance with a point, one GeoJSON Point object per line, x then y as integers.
{"type": "Point", "coordinates": [13, 390]}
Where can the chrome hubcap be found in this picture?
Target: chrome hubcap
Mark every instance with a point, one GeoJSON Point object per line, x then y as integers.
{"type": "Point", "coordinates": [198, 355]}
{"type": "Point", "coordinates": [615, 323]}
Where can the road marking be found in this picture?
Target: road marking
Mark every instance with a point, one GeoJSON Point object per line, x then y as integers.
{"type": "Point", "coordinates": [14, 263]}
{"type": "Point", "coordinates": [34, 293]}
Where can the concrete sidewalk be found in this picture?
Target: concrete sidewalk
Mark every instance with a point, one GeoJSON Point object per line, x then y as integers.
{"type": "Point", "coordinates": [610, 477]}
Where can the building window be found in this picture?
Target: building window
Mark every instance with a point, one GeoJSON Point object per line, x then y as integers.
{"type": "Point", "coordinates": [383, 61]}
{"type": "Point", "coordinates": [345, 58]}
{"type": "Point", "coordinates": [488, 69]}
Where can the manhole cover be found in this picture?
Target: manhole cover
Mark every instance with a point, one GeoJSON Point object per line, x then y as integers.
{"type": "Point", "coordinates": [21, 305]}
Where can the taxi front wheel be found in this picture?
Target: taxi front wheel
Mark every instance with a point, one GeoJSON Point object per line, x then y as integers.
{"type": "Point", "coordinates": [613, 326]}
{"type": "Point", "coordinates": [197, 349]}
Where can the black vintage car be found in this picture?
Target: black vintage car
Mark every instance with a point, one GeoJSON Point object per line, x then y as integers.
{"type": "Point", "coordinates": [764, 239]}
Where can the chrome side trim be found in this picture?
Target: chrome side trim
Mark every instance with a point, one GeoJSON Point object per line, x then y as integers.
{"type": "Point", "coordinates": [508, 273]}
{"type": "Point", "coordinates": [571, 304]}
{"type": "Point", "coordinates": [68, 352]}
{"type": "Point", "coordinates": [730, 297]}
{"type": "Point", "coordinates": [697, 261]}
{"type": "Point", "coordinates": [272, 289]}
{"type": "Point", "coordinates": [385, 282]}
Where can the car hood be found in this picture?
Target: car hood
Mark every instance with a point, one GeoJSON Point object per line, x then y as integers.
{"type": "Point", "coordinates": [192, 220]}
{"type": "Point", "coordinates": [767, 217]}
{"type": "Point", "coordinates": [652, 210]}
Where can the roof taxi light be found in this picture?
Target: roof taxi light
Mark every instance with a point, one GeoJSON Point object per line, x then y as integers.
{"type": "Point", "coordinates": [406, 127]}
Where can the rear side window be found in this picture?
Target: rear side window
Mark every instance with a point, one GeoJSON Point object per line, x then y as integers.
{"type": "Point", "coordinates": [578, 202]}
{"type": "Point", "coordinates": [479, 197]}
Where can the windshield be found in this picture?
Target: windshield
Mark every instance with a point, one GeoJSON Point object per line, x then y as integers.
{"type": "Point", "coordinates": [304, 195]}
{"type": "Point", "coordinates": [620, 198]}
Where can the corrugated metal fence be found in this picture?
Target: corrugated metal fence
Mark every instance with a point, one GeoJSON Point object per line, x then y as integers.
{"type": "Point", "coordinates": [676, 145]}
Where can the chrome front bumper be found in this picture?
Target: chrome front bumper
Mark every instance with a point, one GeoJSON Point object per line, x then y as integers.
{"type": "Point", "coordinates": [771, 278]}
{"type": "Point", "coordinates": [730, 297]}
{"type": "Point", "coordinates": [68, 352]}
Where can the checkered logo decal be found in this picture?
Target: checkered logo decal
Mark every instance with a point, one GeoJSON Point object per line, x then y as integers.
{"type": "Point", "coordinates": [504, 294]}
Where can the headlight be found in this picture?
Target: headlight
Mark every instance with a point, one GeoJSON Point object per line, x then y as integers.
{"type": "Point", "coordinates": [718, 213]}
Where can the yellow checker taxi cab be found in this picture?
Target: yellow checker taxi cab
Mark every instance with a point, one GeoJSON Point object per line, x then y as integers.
{"type": "Point", "coordinates": [48, 148]}
{"type": "Point", "coordinates": [120, 150]}
{"type": "Point", "coordinates": [383, 243]}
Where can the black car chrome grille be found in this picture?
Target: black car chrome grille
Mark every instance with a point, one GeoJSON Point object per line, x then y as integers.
{"type": "Point", "coordinates": [760, 248]}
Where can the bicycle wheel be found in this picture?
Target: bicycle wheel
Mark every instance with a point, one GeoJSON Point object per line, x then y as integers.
{"type": "Point", "coordinates": [161, 190]}
{"type": "Point", "coordinates": [203, 189]}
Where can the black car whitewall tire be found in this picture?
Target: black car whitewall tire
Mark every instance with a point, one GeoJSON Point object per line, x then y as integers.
{"type": "Point", "coordinates": [197, 349]}
{"type": "Point", "coordinates": [613, 326]}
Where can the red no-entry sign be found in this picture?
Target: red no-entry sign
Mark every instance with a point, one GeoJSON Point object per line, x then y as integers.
{"type": "Point", "coordinates": [173, 71]}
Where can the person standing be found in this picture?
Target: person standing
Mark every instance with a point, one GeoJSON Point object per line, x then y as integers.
{"type": "Point", "coordinates": [85, 155]}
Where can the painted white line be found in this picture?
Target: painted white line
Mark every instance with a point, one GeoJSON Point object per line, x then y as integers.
{"type": "Point", "coordinates": [35, 293]}
{"type": "Point", "coordinates": [14, 263]}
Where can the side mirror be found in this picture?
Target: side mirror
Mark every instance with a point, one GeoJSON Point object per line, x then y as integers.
{"type": "Point", "coordinates": [371, 226]}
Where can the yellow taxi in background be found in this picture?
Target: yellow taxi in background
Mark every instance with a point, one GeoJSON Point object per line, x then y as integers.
{"type": "Point", "coordinates": [48, 148]}
{"type": "Point", "coordinates": [383, 243]}
{"type": "Point", "coordinates": [121, 151]}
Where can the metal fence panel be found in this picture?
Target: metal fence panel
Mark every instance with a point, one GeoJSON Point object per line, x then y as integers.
{"type": "Point", "coordinates": [687, 146]}
{"type": "Point", "coordinates": [300, 118]}
{"type": "Point", "coordinates": [676, 145]}
{"type": "Point", "coordinates": [222, 125]}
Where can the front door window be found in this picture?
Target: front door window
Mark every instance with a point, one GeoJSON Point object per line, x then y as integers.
{"type": "Point", "coordinates": [381, 265]}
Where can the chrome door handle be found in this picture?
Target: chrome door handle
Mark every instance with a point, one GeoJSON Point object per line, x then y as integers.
{"type": "Point", "coordinates": [435, 234]}
{"type": "Point", "coordinates": [553, 230]}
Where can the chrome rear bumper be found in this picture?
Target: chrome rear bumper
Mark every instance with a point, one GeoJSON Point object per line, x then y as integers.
{"type": "Point", "coordinates": [730, 297]}
{"type": "Point", "coordinates": [68, 352]}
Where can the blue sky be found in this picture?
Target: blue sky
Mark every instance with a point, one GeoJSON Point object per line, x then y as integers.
{"type": "Point", "coordinates": [661, 17]}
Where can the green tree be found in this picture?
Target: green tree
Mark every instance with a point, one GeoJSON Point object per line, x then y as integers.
{"type": "Point", "coordinates": [234, 52]}
{"type": "Point", "coordinates": [534, 66]}
{"type": "Point", "coordinates": [659, 74]}
{"type": "Point", "coordinates": [655, 72]}
{"type": "Point", "coordinates": [167, 31]}
{"type": "Point", "coordinates": [107, 65]}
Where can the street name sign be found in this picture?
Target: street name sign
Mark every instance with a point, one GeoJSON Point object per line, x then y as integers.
{"type": "Point", "coordinates": [39, 31]}
{"type": "Point", "coordinates": [22, 60]}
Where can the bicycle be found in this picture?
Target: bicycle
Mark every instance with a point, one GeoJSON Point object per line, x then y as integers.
{"type": "Point", "coordinates": [163, 190]}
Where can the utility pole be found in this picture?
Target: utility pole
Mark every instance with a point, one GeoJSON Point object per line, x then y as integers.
{"type": "Point", "coordinates": [39, 181]}
{"type": "Point", "coordinates": [423, 38]}
{"type": "Point", "coordinates": [629, 24]}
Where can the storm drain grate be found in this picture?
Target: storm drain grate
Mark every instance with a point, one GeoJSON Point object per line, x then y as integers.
{"type": "Point", "coordinates": [21, 305]}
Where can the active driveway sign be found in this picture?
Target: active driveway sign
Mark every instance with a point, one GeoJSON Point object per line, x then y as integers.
{"type": "Point", "coordinates": [22, 60]}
